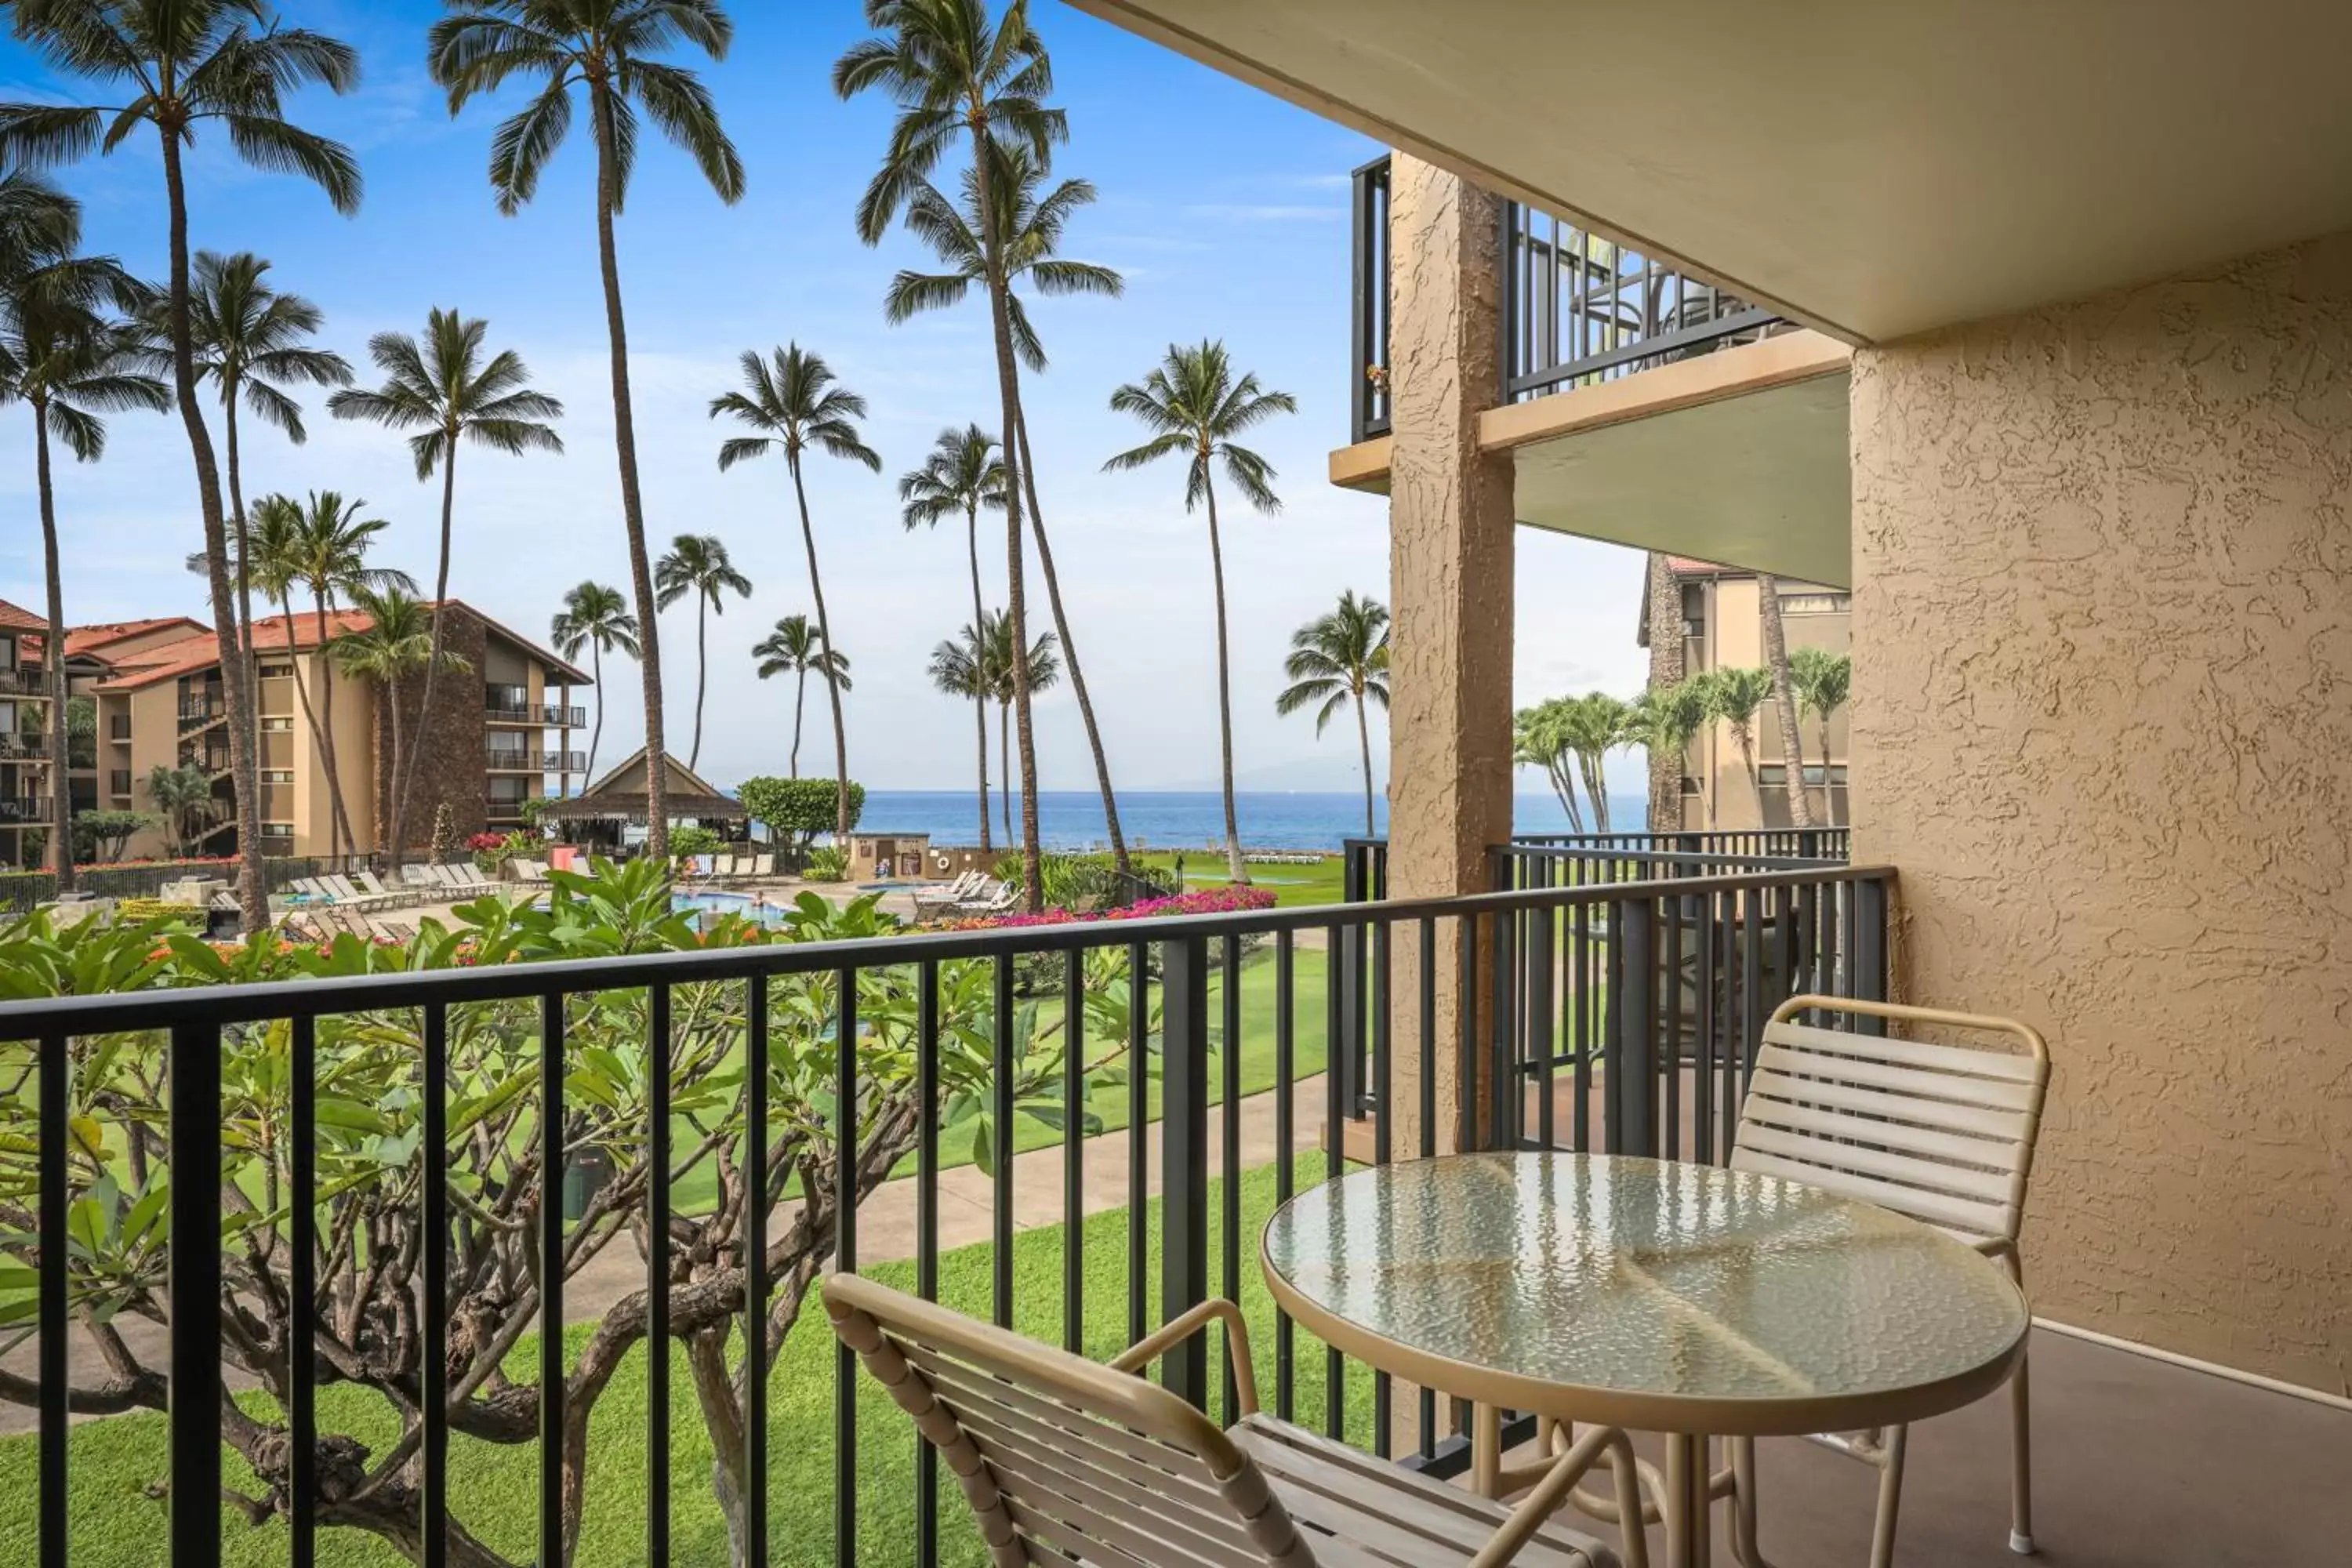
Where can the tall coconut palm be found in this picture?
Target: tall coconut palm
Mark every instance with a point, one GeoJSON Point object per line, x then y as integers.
{"type": "Point", "coordinates": [442, 388]}
{"type": "Point", "coordinates": [793, 648]}
{"type": "Point", "coordinates": [1195, 407]}
{"type": "Point", "coordinates": [1784, 698]}
{"type": "Point", "coordinates": [1032, 225]}
{"type": "Point", "coordinates": [956, 668]}
{"type": "Point", "coordinates": [1663, 624]}
{"type": "Point", "coordinates": [609, 48]}
{"type": "Point", "coordinates": [1733, 696]}
{"type": "Point", "coordinates": [1824, 681]}
{"type": "Point", "coordinates": [67, 363]}
{"type": "Point", "coordinates": [1664, 720]}
{"type": "Point", "coordinates": [180, 66]}
{"type": "Point", "coordinates": [792, 401]}
{"type": "Point", "coordinates": [596, 618]}
{"type": "Point", "coordinates": [271, 562]}
{"type": "Point", "coordinates": [1340, 659]}
{"type": "Point", "coordinates": [961, 475]}
{"type": "Point", "coordinates": [952, 73]}
{"type": "Point", "coordinates": [330, 546]}
{"type": "Point", "coordinates": [394, 649]}
{"type": "Point", "coordinates": [1591, 727]}
{"type": "Point", "coordinates": [697, 564]}
{"type": "Point", "coordinates": [993, 651]}
{"type": "Point", "coordinates": [252, 341]}
{"type": "Point", "coordinates": [1539, 740]}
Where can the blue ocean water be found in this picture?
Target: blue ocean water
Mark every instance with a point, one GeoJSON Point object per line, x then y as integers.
{"type": "Point", "coordinates": [1167, 819]}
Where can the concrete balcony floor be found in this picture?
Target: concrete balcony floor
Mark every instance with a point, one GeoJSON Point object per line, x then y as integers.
{"type": "Point", "coordinates": [2138, 1463]}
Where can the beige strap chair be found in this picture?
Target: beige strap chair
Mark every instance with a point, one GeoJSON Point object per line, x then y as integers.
{"type": "Point", "coordinates": [1942, 1133]}
{"type": "Point", "coordinates": [1064, 1461]}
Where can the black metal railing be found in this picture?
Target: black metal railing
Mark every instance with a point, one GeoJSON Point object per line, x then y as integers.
{"type": "Point", "coordinates": [552, 715]}
{"type": "Point", "coordinates": [202, 709]}
{"type": "Point", "coordinates": [25, 680]}
{"type": "Point", "coordinates": [1577, 308]}
{"type": "Point", "coordinates": [17, 810]}
{"type": "Point", "coordinates": [904, 1030]}
{"type": "Point", "coordinates": [23, 745]}
{"type": "Point", "coordinates": [502, 759]}
{"type": "Point", "coordinates": [1742, 843]}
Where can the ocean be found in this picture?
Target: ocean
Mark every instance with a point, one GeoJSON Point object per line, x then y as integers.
{"type": "Point", "coordinates": [1170, 819]}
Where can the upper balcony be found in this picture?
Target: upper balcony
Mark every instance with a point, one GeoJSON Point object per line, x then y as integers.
{"type": "Point", "coordinates": [25, 746]}
{"type": "Point", "coordinates": [504, 705]}
{"type": "Point", "coordinates": [504, 759]}
{"type": "Point", "coordinates": [25, 680]}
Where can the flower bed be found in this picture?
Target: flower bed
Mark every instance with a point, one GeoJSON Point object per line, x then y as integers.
{"type": "Point", "coordinates": [1204, 902]}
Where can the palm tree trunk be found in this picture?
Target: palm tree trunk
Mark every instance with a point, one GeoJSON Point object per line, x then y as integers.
{"type": "Point", "coordinates": [1829, 780]}
{"type": "Point", "coordinates": [245, 775]}
{"type": "Point", "coordinates": [979, 696]}
{"type": "Point", "coordinates": [1746, 739]}
{"type": "Point", "coordinates": [800, 702]}
{"type": "Point", "coordinates": [1070, 652]}
{"type": "Point", "coordinates": [702, 672]}
{"type": "Point", "coordinates": [1567, 793]}
{"type": "Point", "coordinates": [1667, 669]}
{"type": "Point", "coordinates": [243, 543]}
{"type": "Point", "coordinates": [392, 696]}
{"type": "Point", "coordinates": [440, 606]}
{"type": "Point", "coordinates": [60, 744]}
{"type": "Point", "coordinates": [1005, 774]}
{"type": "Point", "coordinates": [1234, 866]}
{"type": "Point", "coordinates": [824, 647]}
{"type": "Point", "coordinates": [633, 512]}
{"type": "Point", "coordinates": [1008, 393]}
{"type": "Point", "coordinates": [1784, 702]}
{"type": "Point", "coordinates": [340, 816]}
{"type": "Point", "coordinates": [595, 731]}
{"type": "Point", "coordinates": [1364, 742]}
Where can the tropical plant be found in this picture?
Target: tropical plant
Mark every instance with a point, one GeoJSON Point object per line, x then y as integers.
{"type": "Point", "coordinates": [64, 360]}
{"type": "Point", "coordinates": [697, 564]}
{"type": "Point", "coordinates": [1784, 700]}
{"type": "Point", "coordinates": [184, 798]}
{"type": "Point", "coordinates": [1733, 695]}
{"type": "Point", "coordinates": [826, 863]}
{"type": "Point", "coordinates": [441, 388]}
{"type": "Point", "coordinates": [688, 839]}
{"type": "Point", "coordinates": [955, 670]}
{"type": "Point", "coordinates": [790, 400]}
{"type": "Point", "coordinates": [1032, 225]}
{"type": "Point", "coordinates": [1195, 407]}
{"type": "Point", "coordinates": [596, 618]}
{"type": "Point", "coordinates": [609, 48]}
{"type": "Point", "coordinates": [1591, 727]}
{"type": "Point", "coordinates": [104, 836]}
{"type": "Point", "coordinates": [794, 811]}
{"type": "Point", "coordinates": [793, 649]}
{"type": "Point", "coordinates": [1664, 720]}
{"type": "Point", "coordinates": [1539, 740]}
{"type": "Point", "coordinates": [444, 840]}
{"type": "Point", "coordinates": [1824, 681]}
{"type": "Point", "coordinates": [1664, 629]}
{"type": "Point", "coordinates": [961, 475]}
{"type": "Point", "coordinates": [1340, 659]}
{"type": "Point", "coordinates": [183, 64]}
{"type": "Point", "coordinates": [1000, 672]}
{"type": "Point", "coordinates": [952, 73]}
{"type": "Point", "coordinates": [396, 647]}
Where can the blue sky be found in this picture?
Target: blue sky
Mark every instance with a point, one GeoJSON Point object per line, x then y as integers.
{"type": "Point", "coordinates": [1225, 208]}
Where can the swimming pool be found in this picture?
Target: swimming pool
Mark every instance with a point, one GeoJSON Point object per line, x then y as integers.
{"type": "Point", "coordinates": [767, 914]}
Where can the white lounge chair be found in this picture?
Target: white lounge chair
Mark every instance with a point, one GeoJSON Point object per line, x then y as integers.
{"type": "Point", "coordinates": [994, 898]}
{"type": "Point", "coordinates": [415, 876]}
{"type": "Point", "coordinates": [373, 885]}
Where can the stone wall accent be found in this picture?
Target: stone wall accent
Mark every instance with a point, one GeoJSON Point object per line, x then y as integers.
{"type": "Point", "coordinates": [1451, 527]}
{"type": "Point", "coordinates": [454, 759]}
{"type": "Point", "coordinates": [2103, 723]}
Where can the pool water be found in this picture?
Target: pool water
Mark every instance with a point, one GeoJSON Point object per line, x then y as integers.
{"type": "Point", "coordinates": [768, 914]}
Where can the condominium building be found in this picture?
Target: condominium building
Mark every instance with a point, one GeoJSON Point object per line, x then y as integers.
{"type": "Point", "coordinates": [27, 803]}
{"type": "Point", "coordinates": [499, 732]}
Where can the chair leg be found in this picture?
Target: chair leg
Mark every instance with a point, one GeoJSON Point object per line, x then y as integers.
{"type": "Point", "coordinates": [1890, 1498]}
{"type": "Point", "coordinates": [2020, 1463]}
{"type": "Point", "coordinates": [1744, 1547]}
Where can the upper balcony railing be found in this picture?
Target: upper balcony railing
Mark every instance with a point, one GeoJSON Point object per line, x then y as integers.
{"type": "Point", "coordinates": [23, 746]}
{"type": "Point", "coordinates": [503, 759]}
{"type": "Point", "coordinates": [513, 705]}
{"type": "Point", "coordinates": [1577, 309]}
{"type": "Point", "coordinates": [25, 680]}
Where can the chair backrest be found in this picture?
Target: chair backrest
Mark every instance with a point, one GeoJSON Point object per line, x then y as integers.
{"type": "Point", "coordinates": [367, 880]}
{"type": "Point", "coordinates": [415, 876]}
{"type": "Point", "coordinates": [1062, 1460]}
{"type": "Point", "coordinates": [341, 887]}
{"type": "Point", "coordinates": [1941, 1132]}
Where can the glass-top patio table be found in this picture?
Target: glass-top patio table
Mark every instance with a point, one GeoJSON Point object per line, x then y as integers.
{"type": "Point", "coordinates": [1686, 1300]}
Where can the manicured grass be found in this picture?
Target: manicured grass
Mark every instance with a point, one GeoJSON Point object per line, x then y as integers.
{"type": "Point", "coordinates": [1292, 886]}
{"type": "Point", "coordinates": [115, 1524]}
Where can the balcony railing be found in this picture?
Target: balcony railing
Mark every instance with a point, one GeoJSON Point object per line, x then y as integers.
{"type": "Point", "coordinates": [202, 708]}
{"type": "Point", "coordinates": [909, 1030]}
{"type": "Point", "coordinates": [1577, 308]}
{"type": "Point", "coordinates": [502, 761]}
{"type": "Point", "coordinates": [23, 746]}
{"type": "Point", "coordinates": [18, 810]}
{"type": "Point", "coordinates": [550, 714]}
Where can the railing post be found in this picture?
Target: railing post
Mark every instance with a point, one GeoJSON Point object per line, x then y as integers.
{"type": "Point", "coordinates": [1355, 887]}
{"type": "Point", "coordinates": [1870, 968]}
{"type": "Point", "coordinates": [1631, 1103]}
{"type": "Point", "coordinates": [194, 1098]}
{"type": "Point", "coordinates": [1184, 1156]}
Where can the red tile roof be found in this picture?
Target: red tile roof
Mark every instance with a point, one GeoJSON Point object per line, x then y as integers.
{"type": "Point", "coordinates": [17, 618]}
{"type": "Point", "coordinates": [271, 634]}
{"type": "Point", "coordinates": [94, 639]}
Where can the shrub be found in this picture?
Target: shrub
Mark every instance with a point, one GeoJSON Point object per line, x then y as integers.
{"type": "Point", "coordinates": [796, 811]}
{"type": "Point", "coordinates": [139, 911]}
{"type": "Point", "coordinates": [101, 835]}
{"type": "Point", "coordinates": [829, 863]}
{"type": "Point", "coordinates": [693, 838]}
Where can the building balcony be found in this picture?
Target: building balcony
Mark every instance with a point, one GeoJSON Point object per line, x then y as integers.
{"type": "Point", "coordinates": [26, 810]}
{"type": "Point", "coordinates": [536, 715]}
{"type": "Point", "coordinates": [25, 681]}
{"type": "Point", "coordinates": [502, 761]}
{"type": "Point", "coordinates": [201, 708]}
{"type": "Point", "coordinates": [24, 745]}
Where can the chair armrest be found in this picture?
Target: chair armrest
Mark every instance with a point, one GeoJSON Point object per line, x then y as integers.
{"type": "Point", "coordinates": [1538, 1507]}
{"type": "Point", "coordinates": [1151, 1347]}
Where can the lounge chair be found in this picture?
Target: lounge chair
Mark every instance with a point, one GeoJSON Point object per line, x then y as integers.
{"type": "Point", "coordinates": [415, 876]}
{"type": "Point", "coordinates": [994, 898]}
{"type": "Point", "coordinates": [939, 900]}
{"type": "Point", "coordinates": [346, 894]}
{"type": "Point", "coordinates": [531, 871]}
{"type": "Point", "coordinates": [372, 886]}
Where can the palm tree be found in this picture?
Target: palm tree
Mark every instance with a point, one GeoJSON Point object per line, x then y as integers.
{"type": "Point", "coordinates": [184, 798]}
{"type": "Point", "coordinates": [961, 475]}
{"type": "Point", "coordinates": [1539, 740]}
{"type": "Point", "coordinates": [1194, 408]}
{"type": "Point", "coordinates": [183, 65]}
{"type": "Point", "coordinates": [791, 399]}
{"type": "Point", "coordinates": [444, 389]}
{"type": "Point", "coordinates": [1824, 681]}
{"type": "Point", "coordinates": [66, 363]}
{"type": "Point", "coordinates": [607, 47]}
{"type": "Point", "coordinates": [1664, 720]}
{"type": "Point", "coordinates": [1784, 700]}
{"type": "Point", "coordinates": [697, 564]}
{"type": "Point", "coordinates": [271, 561]}
{"type": "Point", "coordinates": [1032, 227]}
{"type": "Point", "coordinates": [1338, 658]}
{"type": "Point", "coordinates": [251, 340]}
{"type": "Point", "coordinates": [330, 546]}
{"type": "Point", "coordinates": [950, 72]}
{"type": "Point", "coordinates": [994, 652]}
{"type": "Point", "coordinates": [793, 648]}
{"type": "Point", "coordinates": [956, 668]}
{"type": "Point", "coordinates": [396, 647]}
{"type": "Point", "coordinates": [597, 618]}
{"type": "Point", "coordinates": [1733, 696]}
{"type": "Point", "coordinates": [1591, 727]}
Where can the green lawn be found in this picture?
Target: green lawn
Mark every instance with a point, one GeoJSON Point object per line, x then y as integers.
{"type": "Point", "coordinates": [1292, 886]}
{"type": "Point", "coordinates": [116, 1523]}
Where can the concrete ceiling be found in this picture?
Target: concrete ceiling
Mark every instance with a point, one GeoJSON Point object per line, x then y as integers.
{"type": "Point", "coordinates": [1760, 481]}
{"type": "Point", "coordinates": [1874, 169]}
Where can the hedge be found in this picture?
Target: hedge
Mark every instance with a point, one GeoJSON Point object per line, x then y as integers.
{"type": "Point", "coordinates": [21, 892]}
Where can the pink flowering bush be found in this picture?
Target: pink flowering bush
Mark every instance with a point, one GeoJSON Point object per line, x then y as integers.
{"type": "Point", "coordinates": [1205, 902]}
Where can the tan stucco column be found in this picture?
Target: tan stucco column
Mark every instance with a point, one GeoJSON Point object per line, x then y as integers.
{"type": "Point", "coordinates": [1449, 542]}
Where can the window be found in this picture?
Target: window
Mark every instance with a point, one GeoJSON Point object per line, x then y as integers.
{"type": "Point", "coordinates": [270, 671]}
{"type": "Point", "coordinates": [278, 775]}
{"type": "Point", "coordinates": [1816, 604]}
{"type": "Point", "coordinates": [278, 830]}
{"type": "Point", "coordinates": [277, 726]}
{"type": "Point", "coordinates": [1775, 776]}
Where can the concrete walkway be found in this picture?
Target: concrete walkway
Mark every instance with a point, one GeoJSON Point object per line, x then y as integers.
{"type": "Point", "coordinates": [886, 1225]}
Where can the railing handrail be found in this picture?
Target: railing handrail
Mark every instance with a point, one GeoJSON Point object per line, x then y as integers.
{"type": "Point", "coordinates": [273, 1000]}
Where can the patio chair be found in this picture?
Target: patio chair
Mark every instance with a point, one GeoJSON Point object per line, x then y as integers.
{"type": "Point", "coordinates": [1065, 1461]}
{"type": "Point", "coordinates": [993, 899]}
{"type": "Point", "coordinates": [940, 901]}
{"type": "Point", "coordinates": [534, 871]}
{"type": "Point", "coordinates": [415, 876]}
{"type": "Point", "coordinates": [1941, 1132]}
{"type": "Point", "coordinates": [371, 885]}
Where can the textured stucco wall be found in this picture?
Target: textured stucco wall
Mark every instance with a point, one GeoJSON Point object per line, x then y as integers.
{"type": "Point", "coordinates": [2103, 723]}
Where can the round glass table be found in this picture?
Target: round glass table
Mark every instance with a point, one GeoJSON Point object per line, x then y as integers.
{"type": "Point", "coordinates": [1682, 1300]}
